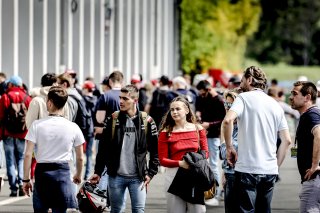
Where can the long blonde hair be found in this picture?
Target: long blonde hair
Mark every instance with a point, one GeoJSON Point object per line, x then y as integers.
{"type": "Point", "coordinates": [168, 123]}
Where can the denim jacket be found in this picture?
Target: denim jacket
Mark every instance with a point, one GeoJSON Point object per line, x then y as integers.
{"type": "Point", "coordinates": [223, 151]}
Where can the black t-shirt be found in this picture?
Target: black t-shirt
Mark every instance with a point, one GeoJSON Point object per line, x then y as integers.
{"type": "Point", "coordinates": [213, 111]}
{"type": "Point", "coordinates": [304, 138]}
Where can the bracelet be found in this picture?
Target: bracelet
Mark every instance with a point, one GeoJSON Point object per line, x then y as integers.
{"type": "Point", "coordinates": [26, 181]}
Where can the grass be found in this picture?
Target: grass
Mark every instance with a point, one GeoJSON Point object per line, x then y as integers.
{"type": "Point", "coordinates": [287, 72]}
{"type": "Point", "coordinates": [284, 72]}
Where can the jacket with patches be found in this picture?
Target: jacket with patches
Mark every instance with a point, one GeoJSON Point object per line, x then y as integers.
{"type": "Point", "coordinates": [110, 149]}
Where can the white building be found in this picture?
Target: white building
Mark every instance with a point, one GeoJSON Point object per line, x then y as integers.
{"type": "Point", "coordinates": [93, 37]}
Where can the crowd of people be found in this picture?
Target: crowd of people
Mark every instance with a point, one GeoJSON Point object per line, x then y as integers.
{"type": "Point", "coordinates": [49, 136]}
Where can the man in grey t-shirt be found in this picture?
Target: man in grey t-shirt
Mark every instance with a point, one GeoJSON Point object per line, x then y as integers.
{"type": "Point", "coordinates": [126, 139]}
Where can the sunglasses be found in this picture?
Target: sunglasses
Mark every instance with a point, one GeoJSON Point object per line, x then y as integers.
{"type": "Point", "coordinates": [227, 105]}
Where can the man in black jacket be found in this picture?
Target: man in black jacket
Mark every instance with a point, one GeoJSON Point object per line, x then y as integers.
{"type": "Point", "coordinates": [123, 150]}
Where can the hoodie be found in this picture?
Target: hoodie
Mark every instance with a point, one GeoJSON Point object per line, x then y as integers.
{"type": "Point", "coordinates": [38, 107]}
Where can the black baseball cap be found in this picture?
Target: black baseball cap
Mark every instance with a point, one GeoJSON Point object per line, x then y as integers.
{"type": "Point", "coordinates": [105, 81]}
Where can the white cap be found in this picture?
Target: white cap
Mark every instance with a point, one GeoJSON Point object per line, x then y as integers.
{"type": "Point", "coordinates": [302, 78]}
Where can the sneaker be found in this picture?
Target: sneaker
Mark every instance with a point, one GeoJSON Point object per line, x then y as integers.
{"type": "Point", "coordinates": [13, 193]}
{"type": "Point", "coordinates": [21, 192]}
{"type": "Point", "coordinates": [212, 202]}
{"type": "Point", "coordinates": [220, 197]}
{"type": "Point", "coordinates": [1, 183]}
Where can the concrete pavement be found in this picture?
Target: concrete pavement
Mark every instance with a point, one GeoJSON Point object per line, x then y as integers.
{"type": "Point", "coordinates": [285, 198]}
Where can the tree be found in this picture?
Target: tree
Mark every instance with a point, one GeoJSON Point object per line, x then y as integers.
{"type": "Point", "coordinates": [215, 33]}
{"type": "Point", "coordinates": [287, 33]}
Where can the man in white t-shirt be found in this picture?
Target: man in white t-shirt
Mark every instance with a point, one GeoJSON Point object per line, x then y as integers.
{"type": "Point", "coordinates": [260, 118]}
{"type": "Point", "coordinates": [53, 139]}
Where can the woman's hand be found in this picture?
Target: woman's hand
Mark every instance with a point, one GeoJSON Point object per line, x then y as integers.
{"type": "Point", "coordinates": [184, 164]}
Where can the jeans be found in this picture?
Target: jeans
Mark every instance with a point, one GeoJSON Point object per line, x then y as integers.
{"type": "Point", "coordinates": [103, 183]}
{"type": "Point", "coordinates": [14, 151]}
{"type": "Point", "coordinates": [213, 145]}
{"type": "Point", "coordinates": [117, 188]}
{"type": "Point", "coordinates": [90, 142]}
{"type": "Point", "coordinates": [310, 196]}
{"type": "Point", "coordinates": [38, 206]}
{"type": "Point", "coordinates": [229, 194]}
{"type": "Point", "coordinates": [254, 192]}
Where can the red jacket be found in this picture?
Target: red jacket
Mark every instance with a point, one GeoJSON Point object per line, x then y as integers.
{"type": "Point", "coordinates": [17, 94]}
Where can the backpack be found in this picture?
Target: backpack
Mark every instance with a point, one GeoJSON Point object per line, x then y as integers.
{"type": "Point", "coordinates": [15, 119]}
{"type": "Point", "coordinates": [115, 122]}
{"type": "Point", "coordinates": [83, 117]}
{"type": "Point", "coordinates": [159, 105]}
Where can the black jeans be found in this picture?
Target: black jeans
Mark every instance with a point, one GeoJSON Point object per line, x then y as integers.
{"type": "Point", "coordinates": [254, 192]}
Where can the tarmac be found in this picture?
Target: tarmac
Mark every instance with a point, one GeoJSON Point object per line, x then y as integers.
{"type": "Point", "coordinates": [285, 196]}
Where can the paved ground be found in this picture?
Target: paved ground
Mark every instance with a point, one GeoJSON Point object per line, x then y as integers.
{"type": "Point", "coordinates": [285, 199]}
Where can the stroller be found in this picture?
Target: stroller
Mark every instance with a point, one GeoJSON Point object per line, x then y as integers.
{"type": "Point", "coordinates": [91, 199]}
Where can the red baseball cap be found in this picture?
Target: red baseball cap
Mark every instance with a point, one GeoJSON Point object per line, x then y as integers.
{"type": "Point", "coordinates": [88, 85]}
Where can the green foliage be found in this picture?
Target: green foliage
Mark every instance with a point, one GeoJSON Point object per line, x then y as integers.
{"type": "Point", "coordinates": [215, 33]}
{"type": "Point", "coordinates": [289, 32]}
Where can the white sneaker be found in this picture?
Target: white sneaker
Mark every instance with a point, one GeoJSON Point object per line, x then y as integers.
{"type": "Point", "coordinates": [1, 183]}
{"type": "Point", "coordinates": [107, 209]}
{"type": "Point", "coordinates": [212, 202]}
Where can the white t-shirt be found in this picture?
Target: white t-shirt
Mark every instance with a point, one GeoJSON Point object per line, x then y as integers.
{"type": "Point", "coordinates": [260, 118]}
{"type": "Point", "coordinates": [54, 137]}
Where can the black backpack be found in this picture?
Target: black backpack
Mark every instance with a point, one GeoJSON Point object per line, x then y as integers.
{"type": "Point", "coordinates": [159, 105]}
{"type": "Point", "coordinates": [15, 118]}
{"type": "Point", "coordinates": [83, 117]}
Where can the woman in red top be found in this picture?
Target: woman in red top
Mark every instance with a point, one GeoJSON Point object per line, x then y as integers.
{"type": "Point", "coordinates": [179, 135]}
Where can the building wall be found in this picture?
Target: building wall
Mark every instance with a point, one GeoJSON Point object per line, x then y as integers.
{"type": "Point", "coordinates": [93, 37]}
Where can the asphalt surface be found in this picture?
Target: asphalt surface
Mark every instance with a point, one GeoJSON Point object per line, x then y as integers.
{"type": "Point", "coordinates": [285, 197]}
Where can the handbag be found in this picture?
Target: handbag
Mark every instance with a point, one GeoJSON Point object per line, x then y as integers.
{"type": "Point", "coordinates": [209, 194]}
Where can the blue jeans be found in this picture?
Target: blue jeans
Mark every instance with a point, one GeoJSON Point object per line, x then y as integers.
{"type": "Point", "coordinates": [117, 188]}
{"type": "Point", "coordinates": [14, 151]}
{"type": "Point", "coordinates": [103, 182]}
{"type": "Point", "coordinates": [89, 147]}
{"type": "Point", "coordinates": [229, 194]}
{"type": "Point", "coordinates": [213, 145]}
{"type": "Point", "coordinates": [254, 192]}
{"type": "Point", "coordinates": [38, 206]}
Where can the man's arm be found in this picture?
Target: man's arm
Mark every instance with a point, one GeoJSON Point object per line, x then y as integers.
{"type": "Point", "coordinates": [315, 154]}
{"type": "Point", "coordinates": [27, 187]}
{"type": "Point", "coordinates": [79, 164]}
{"type": "Point", "coordinates": [152, 145]}
{"type": "Point", "coordinates": [102, 153]}
{"type": "Point", "coordinates": [285, 143]}
{"type": "Point", "coordinates": [227, 125]}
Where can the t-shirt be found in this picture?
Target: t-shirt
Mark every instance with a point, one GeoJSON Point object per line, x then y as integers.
{"type": "Point", "coordinates": [171, 150]}
{"type": "Point", "coordinates": [259, 119]}
{"type": "Point", "coordinates": [212, 110]}
{"type": "Point", "coordinates": [304, 137]}
{"type": "Point", "coordinates": [128, 166]}
{"type": "Point", "coordinates": [54, 137]}
{"type": "Point", "coordinates": [109, 101]}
